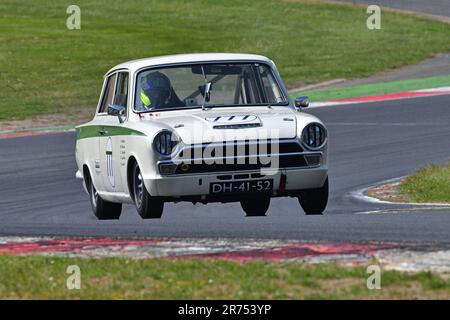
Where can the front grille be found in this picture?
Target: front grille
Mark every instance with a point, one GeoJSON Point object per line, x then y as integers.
{"type": "Point", "coordinates": [284, 161]}
{"type": "Point", "coordinates": [240, 148]}
{"type": "Point", "coordinates": [247, 155]}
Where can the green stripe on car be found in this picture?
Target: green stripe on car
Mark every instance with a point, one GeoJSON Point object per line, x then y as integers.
{"type": "Point", "coordinates": [93, 131]}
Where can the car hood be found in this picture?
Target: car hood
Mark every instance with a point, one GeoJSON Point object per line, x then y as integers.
{"type": "Point", "coordinates": [225, 124]}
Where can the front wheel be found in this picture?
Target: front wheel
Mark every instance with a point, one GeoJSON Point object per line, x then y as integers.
{"type": "Point", "coordinates": [147, 206]}
{"type": "Point", "coordinates": [314, 201]}
{"type": "Point", "coordinates": [103, 210]}
{"type": "Point", "coordinates": [255, 207]}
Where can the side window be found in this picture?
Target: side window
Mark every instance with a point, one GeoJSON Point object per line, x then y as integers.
{"type": "Point", "coordinates": [248, 91]}
{"type": "Point", "coordinates": [121, 95]}
{"type": "Point", "coordinates": [108, 93]}
{"type": "Point", "coordinates": [270, 86]}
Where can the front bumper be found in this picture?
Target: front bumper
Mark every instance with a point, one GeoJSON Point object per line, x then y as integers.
{"type": "Point", "coordinates": [198, 185]}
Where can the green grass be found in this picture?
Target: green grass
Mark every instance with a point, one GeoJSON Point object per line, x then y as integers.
{"type": "Point", "coordinates": [430, 184]}
{"type": "Point", "coordinates": [377, 88]}
{"type": "Point", "coordinates": [45, 68]}
{"type": "Point", "coordinates": [39, 277]}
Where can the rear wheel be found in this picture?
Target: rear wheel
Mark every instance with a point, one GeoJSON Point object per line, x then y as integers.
{"type": "Point", "coordinates": [255, 207]}
{"type": "Point", "coordinates": [103, 210]}
{"type": "Point", "coordinates": [147, 206]}
{"type": "Point", "coordinates": [314, 201]}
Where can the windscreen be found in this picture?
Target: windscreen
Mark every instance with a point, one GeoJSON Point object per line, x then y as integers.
{"type": "Point", "coordinates": [239, 84]}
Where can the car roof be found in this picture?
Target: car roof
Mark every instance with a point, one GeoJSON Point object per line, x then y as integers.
{"type": "Point", "coordinates": [187, 58]}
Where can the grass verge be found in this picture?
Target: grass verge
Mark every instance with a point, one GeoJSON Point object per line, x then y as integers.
{"type": "Point", "coordinates": [427, 185]}
{"type": "Point", "coordinates": [430, 184]}
{"type": "Point", "coordinates": [39, 277]}
{"type": "Point", "coordinates": [46, 68]}
{"type": "Point", "coordinates": [374, 89]}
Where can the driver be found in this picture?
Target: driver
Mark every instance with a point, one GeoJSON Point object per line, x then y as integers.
{"type": "Point", "coordinates": [157, 92]}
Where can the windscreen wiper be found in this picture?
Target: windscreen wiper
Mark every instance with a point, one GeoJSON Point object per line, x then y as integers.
{"type": "Point", "coordinates": [206, 90]}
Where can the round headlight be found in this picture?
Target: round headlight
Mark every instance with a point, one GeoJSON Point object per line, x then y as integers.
{"type": "Point", "coordinates": [314, 136]}
{"type": "Point", "coordinates": [165, 142]}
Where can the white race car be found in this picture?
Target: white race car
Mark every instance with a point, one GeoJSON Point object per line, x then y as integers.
{"type": "Point", "coordinates": [200, 128]}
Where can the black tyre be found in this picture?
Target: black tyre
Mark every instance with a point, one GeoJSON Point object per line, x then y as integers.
{"type": "Point", "coordinates": [147, 206]}
{"type": "Point", "coordinates": [314, 201]}
{"type": "Point", "coordinates": [103, 210]}
{"type": "Point", "coordinates": [255, 207]}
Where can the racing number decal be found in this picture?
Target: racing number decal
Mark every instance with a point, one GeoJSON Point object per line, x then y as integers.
{"type": "Point", "coordinates": [109, 162]}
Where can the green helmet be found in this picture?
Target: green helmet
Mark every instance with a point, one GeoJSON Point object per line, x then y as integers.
{"type": "Point", "coordinates": [156, 89]}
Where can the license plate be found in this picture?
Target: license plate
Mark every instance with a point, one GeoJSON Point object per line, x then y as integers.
{"type": "Point", "coordinates": [241, 186]}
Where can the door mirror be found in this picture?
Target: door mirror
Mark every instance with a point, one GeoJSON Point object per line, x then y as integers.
{"type": "Point", "coordinates": [301, 102]}
{"type": "Point", "coordinates": [117, 111]}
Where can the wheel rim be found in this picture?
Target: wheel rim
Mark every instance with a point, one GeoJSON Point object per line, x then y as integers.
{"type": "Point", "coordinates": [94, 195]}
{"type": "Point", "coordinates": [138, 187]}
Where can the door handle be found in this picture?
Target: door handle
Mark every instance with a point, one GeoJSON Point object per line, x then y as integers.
{"type": "Point", "coordinates": [102, 132]}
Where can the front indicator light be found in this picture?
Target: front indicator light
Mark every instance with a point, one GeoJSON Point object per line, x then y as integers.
{"type": "Point", "coordinates": [168, 168]}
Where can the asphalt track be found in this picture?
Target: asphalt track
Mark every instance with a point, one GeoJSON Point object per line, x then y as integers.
{"type": "Point", "coordinates": [434, 7]}
{"type": "Point", "coordinates": [369, 142]}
